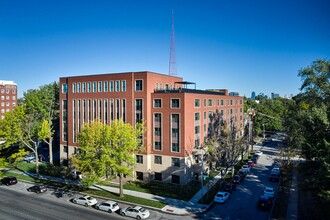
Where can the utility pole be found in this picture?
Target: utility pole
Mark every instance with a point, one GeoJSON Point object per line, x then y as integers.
{"type": "Point", "coordinates": [251, 113]}
{"type": "Point", "coordinates": [264, 130]}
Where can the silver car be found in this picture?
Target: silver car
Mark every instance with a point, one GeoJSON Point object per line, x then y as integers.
{"type": "Point", "coordinates": [108, 206]}
{"type": "Point", "coordinates": [137, 212]}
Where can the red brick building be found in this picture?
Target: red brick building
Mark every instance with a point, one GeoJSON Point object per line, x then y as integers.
{"type": "Point", "coordinates": [176, 117]}
{"type": "Point", "coordinates": [8, 97]}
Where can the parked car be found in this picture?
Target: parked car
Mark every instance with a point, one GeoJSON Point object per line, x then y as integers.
{"type": "Point", "coordinates": [137, 212]}
{"type": "Point", "coordinates": [221, 197]}
{"type": "Point", "coordinates": [250, 163]}
{"type": "Point", "coordinates": [242, 173]}
{"type": "Point", "coordinates": [265, 202]}
{"type": "Point", "coordinates": [269, 191]}
{"type": "Point", "coordinates": [236, 179]}
{"type": "Point", "coordinates": [37, 189]}
{"type": "Point", "coordinates": [273, 177]}
{"type": "Point", "coordinates": [246, 168]}
{"type": "Point", "coordinates": [30, 158]}
{"type": "Point", "coordinates": [9, 180]}
{"type": "Point", "coordinates": [276, 170]}
{"type": "Point", "coordinates": [258, 152]}
{"type": "Point", "coordinates": [108, 206]}
{"type": "Point", "coordinates": [255, 158]}
{"type": "Point", "coordinates": [85, 200]}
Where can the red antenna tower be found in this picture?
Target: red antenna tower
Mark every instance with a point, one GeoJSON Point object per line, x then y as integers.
{"type": "Point", "coordinates": [172, 65]}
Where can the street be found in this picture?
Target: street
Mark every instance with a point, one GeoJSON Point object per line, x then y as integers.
{"type": "Point", "coordinates": [17, 203]}
{"type": "Point", "coordinates": [242, 204]}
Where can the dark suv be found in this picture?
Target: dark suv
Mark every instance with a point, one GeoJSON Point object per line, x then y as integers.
{"type": "Point", "coordinates": [9, 180]}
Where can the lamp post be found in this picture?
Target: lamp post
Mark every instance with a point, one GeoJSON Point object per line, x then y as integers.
{"type": "Point", "coordinates": [264, 130]}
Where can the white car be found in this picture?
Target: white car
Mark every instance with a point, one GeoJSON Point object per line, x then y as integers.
{"type": "Point", "coordinates": [85, 200]}
{"type": "Point", "coordinates": [246, 168]}
{"type": "Point", "coordinates": [258, 152]}
{"type": "Point", "coordinates": [269, 191]}
{"type": "Point", "coordinates": [137, 212]}
{"type": "Point", "coordinates": [221, 197]}
{"type": "Point", "coordinates": [108, 206]}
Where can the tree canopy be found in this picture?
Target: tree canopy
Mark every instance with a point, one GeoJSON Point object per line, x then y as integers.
{"type": "Point", "coordinates": [107, 150]}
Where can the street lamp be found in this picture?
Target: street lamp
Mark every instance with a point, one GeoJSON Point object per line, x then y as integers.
{"type": "Point", "coordinates": [264, 130]}
{"type": "Point", "coordinates": [202, 177]}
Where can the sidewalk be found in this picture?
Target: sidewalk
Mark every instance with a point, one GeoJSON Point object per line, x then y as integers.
{"type": "Point", "coordinates": [174, 206]}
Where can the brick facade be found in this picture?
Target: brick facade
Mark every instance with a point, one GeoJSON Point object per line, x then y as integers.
{"type": "Point", "coordinates": [176, 125]}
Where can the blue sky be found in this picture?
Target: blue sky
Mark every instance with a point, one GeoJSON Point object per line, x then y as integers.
{"type": "Point", "coordinates": [241, 45]}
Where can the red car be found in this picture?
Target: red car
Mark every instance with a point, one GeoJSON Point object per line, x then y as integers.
{"type": "Point", "coordinates": [250, 163]}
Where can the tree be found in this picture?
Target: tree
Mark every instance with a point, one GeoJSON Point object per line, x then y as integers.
{"type": "Point", "coordinates": [107, 150]}
{"type": "Point", "coordinates": [20, 127]}
{"type": "Point", "coordinates": [43, 104]}
{"type": "Point", "coordinates": [223, 144]}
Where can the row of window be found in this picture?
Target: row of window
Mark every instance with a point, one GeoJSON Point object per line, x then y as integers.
{"type": "Point", "coordinates": [175, 103]}
{"type": "Point", "coordinates": [101, 86]}
{"type": "Point", "coordinates": [7, 104]}
{"type": "Point", "coordinates": [8, 97]}
{"type": "Point", "coordinates": [5, 110]}
{"type": "Point", "coordinates": [218, 102]}
{"type": "Point", "coordinates": [13, 91]}
{"type": "Point", "coordinates": [159, 160]}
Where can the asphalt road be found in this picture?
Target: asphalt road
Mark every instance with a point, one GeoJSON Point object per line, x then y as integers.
{"type": "Point", "coordinates": [18, 204]}
{"type": "Point", "coordinates": [242, 204]}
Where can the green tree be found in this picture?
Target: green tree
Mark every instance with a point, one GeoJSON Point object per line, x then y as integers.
{"type": "Point", "coordinates": [107, 150]}
{"type": "Point", "coordinates": [43, 104]}
{"type": "Point", "coordinates": [20, 127]}
{"type": "Point", "coordinates": [223, 144]}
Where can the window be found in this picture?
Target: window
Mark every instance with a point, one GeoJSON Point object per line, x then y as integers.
{"type": "Point", "coordinates": [89, 87]}
{"type": "Point", "coordinates": [65, 149]}
{"type": "Point", "coordinates": [100, 87]}
{"type": "Point", "coordinates": [83, 87]}
{"type": "Point", "coordinates": [123, 85]}
{"type": "Point", "coordinates": [175, 103]}
{"type": "Point", "coordinates": [139, 175]}
{"type": "Point", "coordinates": [175, 162]}
{"type": "Point", "coordinates": [231, 102]}
{"type": "Point", "coordinates": [111, 86]}
{"type": "Point", "coordinates": [156, 86]}
{"type": "Point", "coordinates": [158, 145]}
{"type": "Point", "coordinates": [139, 159]}
{"type": "Point", "coordinates": [158, 159]}
{"type": "Point", "coordinates": [138, 85]}
{"type": "Point", "coordinates": [78, 87]}
{"type": "Point", "coordinates": [210, 103]}
{"type": "Point", "coordinates": [74, 87]}
{"type": "Point", "coordinates": [197, 103]}
{"type": "Point", "coordinates": [204, 102]}
{"type": "Point", "coordinates": [105, 84]}
{"type": "Point", "coordinates": [175, 147]}
{"type": "Point", "coordinates": [158, 132]}
{"type": "Point", "coordinates": [64, 88]}
{"type": "Point", "coordinates": [94, 86]}
{"type": "Point", "coordinates": [138, 110]}
{"type": "Point", "coordinates": [117, 86]}
{"type": "Point", "coordinates": [158, 176]}
{"type": "Point", "coordinates": [221, 102]}
{"type": "Point", "coordinates": [197, 116]}
{"type": "Point", "coordinates": [157, 103]}
{"type": "Point", "coordinates": [176, 179]}
{"type": "Point", "coordinates": [197, 129]}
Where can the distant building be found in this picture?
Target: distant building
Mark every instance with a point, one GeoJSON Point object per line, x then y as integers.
{"type": "Point", "coordinates": [274, 95]}
{"type": "Point", "coordinates": [253, 95]}
{"type": "Point", "coordinates": [8, 93]}
{"type": "Point", "coordinates": [233, 94]}
{"type": "Point", "coordinates": [177, 118]}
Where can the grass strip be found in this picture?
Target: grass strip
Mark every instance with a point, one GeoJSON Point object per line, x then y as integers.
{"type": "Point", "coordinates": [126, 198]}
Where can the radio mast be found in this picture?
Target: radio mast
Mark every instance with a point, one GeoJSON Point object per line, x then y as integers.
{"type": "Point", "coordinates": [172, 64]}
